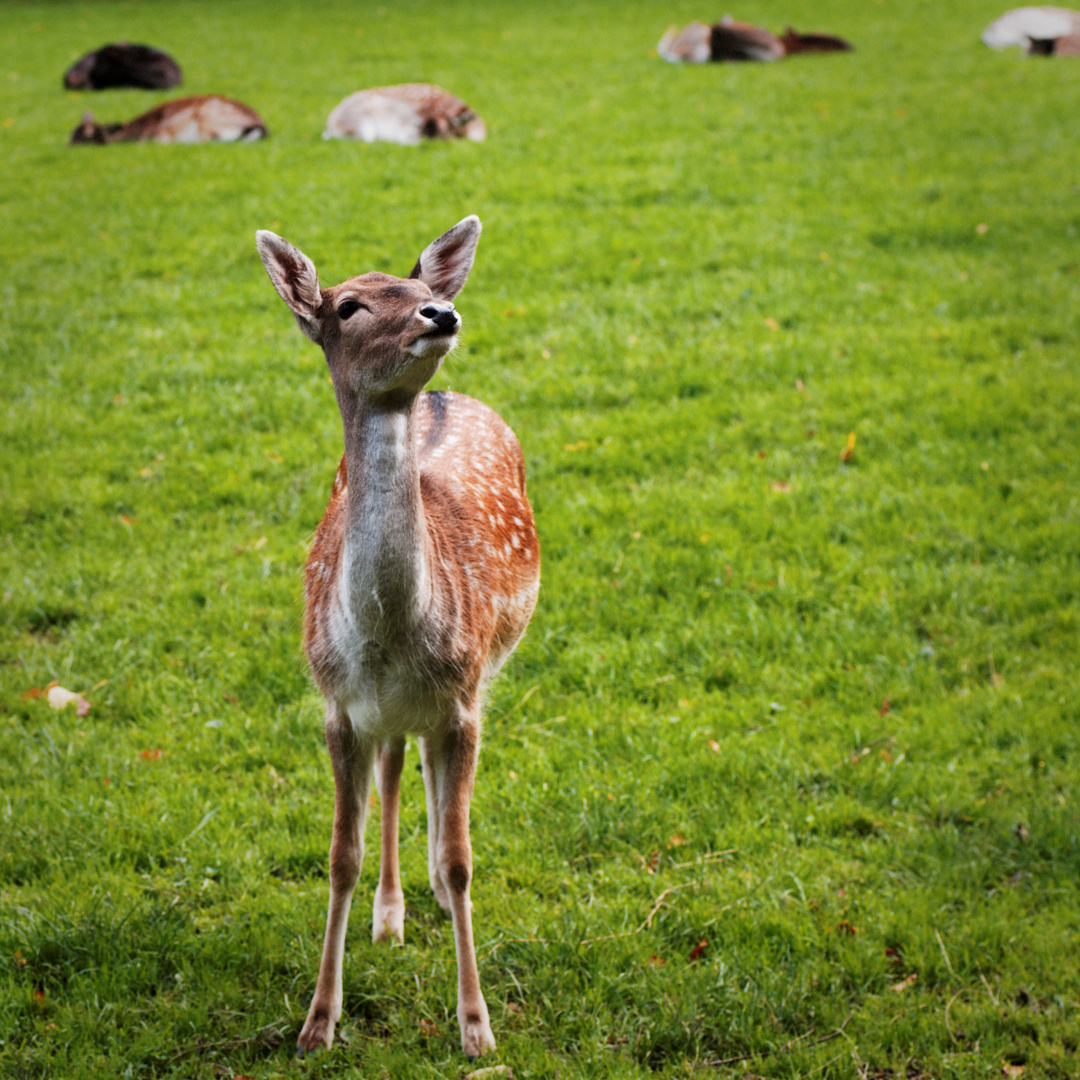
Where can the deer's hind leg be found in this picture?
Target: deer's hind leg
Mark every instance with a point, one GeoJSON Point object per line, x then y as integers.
{"type": "Point", "coordinates": [431, 794]}
{"type": "Point", "coordinates": [388, 913]}
{"type": "Point", "coordinates": [451, 758]}
{"type": "Point", "coordinates": [351, 759]}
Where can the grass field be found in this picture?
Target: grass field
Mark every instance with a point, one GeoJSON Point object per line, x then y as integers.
{"type": "Point", "coordinates": [783, 779]}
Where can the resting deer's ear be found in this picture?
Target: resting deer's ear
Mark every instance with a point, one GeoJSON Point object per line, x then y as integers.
{"type": "Point", "coordinates": [295, 278]}
{"type": "Point", "coordinates": [444, 264]}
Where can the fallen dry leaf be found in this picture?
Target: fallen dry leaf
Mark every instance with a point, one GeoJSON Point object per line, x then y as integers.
{"type": "Point", "coordinates": [849, 451]}
{"type": "Point", "coordinates": [800, 386]}
{"type": "Point", "coordinates": [772, 324]}
{"type": "Point", "coordinates": [677, 840]}
{"type": "Point", "coordinates": [780, 485]}
{"type": "Point", "coordinates": [714, 746]}
{"type": "Point", "coordinates": [656, 961]}
{"type": "Point", "coordinates": [885, 707]}
{"type": "Point", "coordinates": [150, 755]}
{"type": "Point", "coordinates": [844, 927]}
{"type": "Point", "coordinates": [905, 984]}
{"type": "Point", "coordinates": [698, 949]}
{"type": "Point", "coordinates": [429, 1028]}
{"type": "Point", "coordinates": [59, 698]}
{"type": "Point", "coordinates": [1011, 1070]}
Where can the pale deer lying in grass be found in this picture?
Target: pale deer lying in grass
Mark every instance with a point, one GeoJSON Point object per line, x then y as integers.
{"type": "Point", "coordinates": [1039, 31]}
{"type": "Point", "coordinates": [420, 582]}
{"type": "Point", "coordinates": [405, 114]}
{"type": "Point", "coordinates": [205, 118]}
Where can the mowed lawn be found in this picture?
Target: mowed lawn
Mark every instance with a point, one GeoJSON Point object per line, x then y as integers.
{"type": "Point", "coordinates": [783, 779]}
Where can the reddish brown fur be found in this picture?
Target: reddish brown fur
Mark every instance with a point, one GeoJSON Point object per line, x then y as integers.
{"type": "Point", "coordinates": [421, 579]}
{"type": "Point", "coordinates": [201, 118]}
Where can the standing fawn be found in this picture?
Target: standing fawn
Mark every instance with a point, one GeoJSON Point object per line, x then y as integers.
{"type": "Point", "coordinates": [421, 580]}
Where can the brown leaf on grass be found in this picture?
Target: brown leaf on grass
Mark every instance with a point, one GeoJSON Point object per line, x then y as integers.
{"type": "Point", "coordinates": [848, 453]}
{"type": "Point", "coordinates": [844, 927]}
{"type": "Point", "coordinates": [656, 961]}
{"type": "Point", "coordinates": [677, 841]}
{"type": "Point", "coordinates": [780, 486]}
{"type": "Point", "coordinates": [905, 984]}
{"type": "Point", "coordinates": [429, 1028]}
{"type": "Point", "coordinates": [799, 386]}
{"type": "Point", "coordinates": [714, 746]}
{"type": "Point", "coordinates": [651, 861]}
{"type": "Point", "coordinates": [885, 707]}
{"type": "Point", "coordinates": [1011, 1070]}
{"type": "Point", "coordinates": [150, 755]}
{"type": "Point", "coordinates": [698, 949]}
{"type": "Point", "coordinates": [893, 955]}
{"type": "Point", "coordinates": [772, 324]}
{"type": "Point", "coordinates": [59, 698]}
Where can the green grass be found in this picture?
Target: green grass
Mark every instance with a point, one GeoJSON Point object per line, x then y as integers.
{"type": "Point", "coordinates": [691, 744]}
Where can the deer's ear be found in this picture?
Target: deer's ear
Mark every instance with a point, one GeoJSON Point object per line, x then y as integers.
{"type": "Point", "coordinates": [444, 264]}
{"type": "Point", "coordinates": [295, 278]}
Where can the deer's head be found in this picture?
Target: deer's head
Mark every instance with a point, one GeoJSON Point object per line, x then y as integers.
{"type": "Point", "coordinates": [89, 131]}
{"type": "Point", "coordinates": [384, 337]}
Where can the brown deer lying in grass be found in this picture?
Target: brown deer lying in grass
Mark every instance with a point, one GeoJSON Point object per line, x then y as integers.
{"type": "Point", "coordinates": [421, 580]}
{"type": "Point", "coordinates": [207, 118]}
{"type": "Point", "coordinates": [1039, 31]}
{"type": "Point", "coordinates": [698, 43]}
{"type": "Point", "coordinates": [405, 114]}
{"type": "Point", "coordinates": [124, 64]}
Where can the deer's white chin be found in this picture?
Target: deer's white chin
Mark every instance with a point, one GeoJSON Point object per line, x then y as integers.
{"type": "Point", "coordinates": [429, 345]}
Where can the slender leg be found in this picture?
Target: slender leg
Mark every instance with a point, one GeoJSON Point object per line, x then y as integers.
{"type": "Point", "coordinates": [351, 759]}
{"type": "Point", "coordinates": [431, 794]}
{"type": "Point", "coordinates": [388, 914]}
{"type": "Point", "coordinates": [453, 761]}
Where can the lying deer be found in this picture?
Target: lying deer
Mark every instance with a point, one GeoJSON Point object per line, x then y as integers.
{"type": "Point", "coordinates": [404, 114]}
{"type": "Point", "coordinates": [206, 118]}
{"type": "Point", "coordinates": [124, 64]}
{"type": "Point", "coordinates": [1039, 31]}
{"type": "Point", "coordinates": [421, 580]}
{"type": "Point", "coordinates": [698, 43]}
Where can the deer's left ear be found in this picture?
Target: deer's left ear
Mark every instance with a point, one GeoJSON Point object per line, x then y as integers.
{"type": "Point", "coordinates": [295, 278]}
{"type": "Point", "coordinates": [444, 264]}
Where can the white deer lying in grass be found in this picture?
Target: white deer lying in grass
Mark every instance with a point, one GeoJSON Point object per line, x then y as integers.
{"type": "Point", "coordinates": [405, 114]}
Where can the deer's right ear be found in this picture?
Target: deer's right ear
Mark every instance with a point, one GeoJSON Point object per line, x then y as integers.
{"type": "Point", "coordinates": [295, 278]}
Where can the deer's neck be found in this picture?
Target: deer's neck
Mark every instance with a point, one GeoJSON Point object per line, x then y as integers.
{"type": "Point", "coordinates": [385, 581]}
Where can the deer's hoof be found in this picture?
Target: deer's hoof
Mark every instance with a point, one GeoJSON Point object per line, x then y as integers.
{"type": "Point", "coordinates": [317, 1034]}
{"type": "Point", "coordinates": [476, 1037]}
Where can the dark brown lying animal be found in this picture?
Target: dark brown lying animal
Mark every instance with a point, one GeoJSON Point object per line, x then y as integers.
{"type": "Point", "coordinates": [729, 39]}
{"type": "Point", "coordinates": [124, 64]}
{"type": "Point", "coordinates": [206, 118]}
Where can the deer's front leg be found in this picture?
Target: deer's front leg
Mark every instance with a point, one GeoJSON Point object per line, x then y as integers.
{"type": "Point", "coordinates": [453, 765]}
{"type": "Point", "coordinates": [388, 913]}
{"type": "Point", "coordinates": [351, 759]}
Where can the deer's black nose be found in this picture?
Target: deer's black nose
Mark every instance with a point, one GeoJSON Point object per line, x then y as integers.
{"type": "Point", "coordinates": [446, 319]}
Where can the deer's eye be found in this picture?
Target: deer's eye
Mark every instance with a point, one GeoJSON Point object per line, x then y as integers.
{"type": "Point", "coordinates": [348, 308]}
